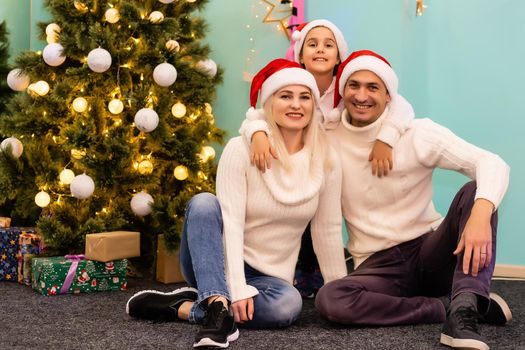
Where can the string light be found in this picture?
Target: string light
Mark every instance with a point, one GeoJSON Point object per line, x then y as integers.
{"type": "Point", "coordinates": [80, 104]}
{"type": "Point", "coordinates": [115, 106]}
{"type": "Point", "coordinates": [181, 173]}
{"type": "Point", "coordinates": [42, 199]}
{"type": "Point", "coordinates": [66, 176]}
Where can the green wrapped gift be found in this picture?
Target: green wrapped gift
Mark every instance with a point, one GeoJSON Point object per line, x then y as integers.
{"type": "Point", "coordinates": [74, 274]}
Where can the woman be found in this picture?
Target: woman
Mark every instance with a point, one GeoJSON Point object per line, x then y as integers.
{"type": "Point", "coordinates": [262, 218]}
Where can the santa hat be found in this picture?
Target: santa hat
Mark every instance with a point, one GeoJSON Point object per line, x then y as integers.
{"type": "Point", "coordinates": [364, 60]}
{"type": "Point", "coordinates": [275, 75]}
{"type": "Point", "coordinates": [302, 30]}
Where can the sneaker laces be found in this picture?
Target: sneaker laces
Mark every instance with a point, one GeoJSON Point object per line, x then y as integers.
{"type": "Point", "coordinates": [468, 319]}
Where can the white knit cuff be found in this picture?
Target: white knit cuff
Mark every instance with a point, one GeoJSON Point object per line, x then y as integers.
{"type": "Point", "coordinates": [250, 127]}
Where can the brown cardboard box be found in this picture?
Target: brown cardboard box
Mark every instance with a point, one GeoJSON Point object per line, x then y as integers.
{"type": "Point", "coordinates": [109, 246]}
{"type": "Point", "coordinates": [5, 222]}
{"type": "Point", "coordinates": [168, 264]}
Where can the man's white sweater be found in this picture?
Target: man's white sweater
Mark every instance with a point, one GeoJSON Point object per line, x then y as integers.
{"type": "Point", "coordinates": [383, 212]}
{"type": "Point", "coordinates": [265, 215]}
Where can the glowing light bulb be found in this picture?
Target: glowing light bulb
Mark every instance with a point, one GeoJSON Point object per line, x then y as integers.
{"type": "Point", "coordinates": [115, 106]}
{"type": "Point", "coordinates": [41, 87]}
{"type": "Point", "coordinates": [112, 15]}
{"type": "Point", "coordinates": [78, 154]}
{"type": "Point", "coordinates": [67, 176]}
{"type": "Point", "coordinates": [80, 104]}
{"type": "Point", "coordinates": [156, 17]}
{"type": "Point", "coordinates": [207, 153]}
{"type": "Point", "coordinates": [178, 110]}
{"type": "Point", "coordinates": [145, 167]}
{"type": "Point", "coordinates": [42, 199]}
{"type": "Point", "coordinates": [180, 172]}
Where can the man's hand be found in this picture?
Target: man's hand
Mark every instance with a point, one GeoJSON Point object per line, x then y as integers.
{"type": "Point", "coordinates": [476, 238]}
{"type": "Point", "coordinates": [261, 150]}
{"type": "Point", "coordinates": [381, 158]}
{"type": "Point", "coordinates": [243, 310]}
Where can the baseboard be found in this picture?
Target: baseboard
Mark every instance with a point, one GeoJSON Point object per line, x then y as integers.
{"type": "Point", "coordinates": [509, 271]}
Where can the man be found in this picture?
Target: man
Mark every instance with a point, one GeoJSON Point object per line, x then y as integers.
{"type": "Point", "coordinates": [412, 265]}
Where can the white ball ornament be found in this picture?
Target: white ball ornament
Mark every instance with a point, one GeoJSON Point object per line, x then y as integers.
{"type": "Point", "coordinates": [52, 29]}
{"type": "Point", "coordinates": [17, 80]}
{"type": "Point", "coordinates": [82, 186]}
{"type": "Point", "coordinates": [53, 54]}
{"type": "Point", "coordinates": [208, 67]}
{"type": "Point", "coordinates": [67, 176]}
{"type": "Point", "coordinates": [166, 1]}
{"type": "Point", "coordinates": [99, 60]}
{"type": "Point", "coordinates": [16, 146]}
{"type": "Point", "coordinates": [178, 110]}
{"type": "Point", "coordinates": [207, 153]}
{"type": "Point", "coordinates": [165, 74]}
{"type": "Point", "coordinates": [173, 45]}
{"type": "Point", "coordinates": [141, 203]}
{"type": "Point", "coordinates": [112, 15]}
{"type": "Point", "coordinates": [146, 119]}
{"type": "Point", "coordinates": [80, 104]}
{"type": "Point", "coordinates": [156, 17]}
{"type": "Point", "coordinates": [180, 172]}
{"type": "Point", "coordinates": [42, 199]}
{"type": "Point", "coordinates": [41, 87]}
{"type": "Point", "coordinates": [190, 1]}
{"type": "Point", "coordinates": [115, 106]}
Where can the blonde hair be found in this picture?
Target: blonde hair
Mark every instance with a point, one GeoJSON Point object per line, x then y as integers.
{"type": "Point", "coordinates": [314, 138]}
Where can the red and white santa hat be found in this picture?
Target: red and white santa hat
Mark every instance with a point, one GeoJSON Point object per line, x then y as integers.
{"type": "Point", "coordinates": [302, 30]}
{"type": "Point", "coordinates": [275, 75]}
{"type": "Point", "coordinates": [365, 60]}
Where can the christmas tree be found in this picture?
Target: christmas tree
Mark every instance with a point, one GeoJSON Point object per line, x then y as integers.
{"type": "Point", "coordinates": [5, 92]}
{"type": "Point", "coordinates": [115, 124]}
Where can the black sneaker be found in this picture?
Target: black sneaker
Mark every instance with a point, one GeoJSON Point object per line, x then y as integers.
{"type": "Point", "coordinates": [158, 306]}
{"type": "Point", "coordinates": [498, 312]}
{"type": "Point", "coordinates": [219, 328]}
{"type": "Point", "coordinates": [461, 330]}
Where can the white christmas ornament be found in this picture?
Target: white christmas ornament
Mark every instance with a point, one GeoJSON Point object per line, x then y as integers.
{"type": "Point", "coordinates": [16, 146]}
{"type": "Point", "coordinates": [80, 104]}
{"type": "Point", "coordinates": [208, 67]}
{"type": "Point", "coordinates": [141, 203]}
{"type": "Point", "coordinates": [41, 87]}
{"type": "Point", "coordinates": [146, 119]}
{"type": "Point", "coordinates": [52, 39]}
{"type": "Point", "coordinates": [112, 15]}
{"type": "Point", "coordinates": [173, 45]}
{"type": "Point", "coordinates": [190, 0]}
{"type": "Point", "coordinates": [166, 1]}
{"type": "Point", "coordinates": [178, 110]}
{"type": "Point", "coordinates": [16, 80]}
{"type": "Point", "coordinates": [156, 17]}
{"type": "Point", "coordinates": [53, 54]}
{"type": "Point", "coordinates": [99, 60]}
{"type": "Point", "coordinates": [42, 199]}
{"type": "Point", "coordinates": [180, 172]}
{"type": "Point", "coordinates": [52, 29]}
{"type": "Point", "coordinates": [115, 106]}
{"type": "Point", "coordinates": [82, 186]}
{"type": "Point", "coordinates": [207, 153]}
{"type": "Point", "coordinates": [67, 176]}
{"type": "Point", "coordinates": [165, 74]}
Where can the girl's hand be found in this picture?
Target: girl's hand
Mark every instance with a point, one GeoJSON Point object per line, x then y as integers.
{"type": "Point", "coordinates": [243, 310]}
{"type": "Point", "coordinates": [260, 151]}
{"type": "Point", "coordinates": [381, 158]}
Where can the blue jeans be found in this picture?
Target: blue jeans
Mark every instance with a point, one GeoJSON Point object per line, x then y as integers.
{"type": "Point", "coordinates": [278, 303]}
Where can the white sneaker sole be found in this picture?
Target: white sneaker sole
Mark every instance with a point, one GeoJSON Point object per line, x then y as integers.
{"type": "Point", "coordinates": [176, 291]}
{"type": "Point", "coordinates": [464, 344]}
{"type": "Point", "coordinates": [503, 305]}
{"type": "Point", "coordinates": [209, 342]}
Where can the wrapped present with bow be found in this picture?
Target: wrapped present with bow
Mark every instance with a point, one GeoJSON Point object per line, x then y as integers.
{"type": "Point", "coordinates": [30, 245]}
{"type": "Point", "coordinates": [9, 250]}
{"type": "Point", "coordinates": [74, 274]}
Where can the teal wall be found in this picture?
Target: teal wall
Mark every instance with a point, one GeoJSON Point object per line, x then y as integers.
{"type": "Point", "coordinates": [459, 64]}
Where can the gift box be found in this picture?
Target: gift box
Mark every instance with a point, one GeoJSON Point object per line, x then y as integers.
{"type": "Point", "coordinates": [30, 245]}
{"type": "Point", "coordinates": [9, 249]}
{"type": "Point", "coordinates": [109, 246]}
{"type": "Point", "coordinates": [74, 274]}
{"type": "Point", "coordinates": [168, 264]}
{"type": "Point", "coordinates": [5, 222]}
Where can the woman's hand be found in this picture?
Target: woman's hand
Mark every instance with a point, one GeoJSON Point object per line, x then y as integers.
{"type": "Point", "coordinates": [381, 158]}
{"type": "Point", "coordinates": [261, 150]}
{"type": "Point", "coordinates": [243, 310]}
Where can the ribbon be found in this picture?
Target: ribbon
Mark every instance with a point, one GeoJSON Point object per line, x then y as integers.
{"type": "Point", "coordinates": [72, 270]}
{"type": "Point", "coordinates": [296, 19]}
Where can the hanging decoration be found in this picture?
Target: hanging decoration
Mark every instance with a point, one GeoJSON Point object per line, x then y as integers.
{"type": "Point", "coordinates": [420, 7]}
{"type": "Point", "coordinates": [279, 11]}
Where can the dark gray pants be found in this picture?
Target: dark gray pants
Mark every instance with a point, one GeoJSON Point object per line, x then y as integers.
{"type": "Point", "coordinates": [400, 285]}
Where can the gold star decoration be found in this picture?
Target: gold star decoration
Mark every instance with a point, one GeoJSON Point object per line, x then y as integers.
{"type": "Point", "coordinates": [279, 11]}
{"type": "Point", "coordinates": [420, 7]}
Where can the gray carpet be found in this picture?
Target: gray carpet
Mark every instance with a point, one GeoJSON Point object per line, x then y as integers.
{"type": "Point", "coordinates": [98, 321]}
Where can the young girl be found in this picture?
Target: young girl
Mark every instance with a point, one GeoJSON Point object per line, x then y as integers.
{"type": "Point", "coordinates": [320, 47]}
{"type": "Point", "coordinates": [262, 218]}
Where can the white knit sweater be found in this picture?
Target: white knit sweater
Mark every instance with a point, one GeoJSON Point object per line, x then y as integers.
{"type": "Point", "coordinates": [383, 212]}
{"type": "Point", "coordinates": [265, 215]}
